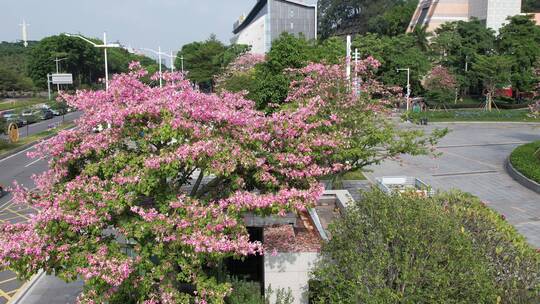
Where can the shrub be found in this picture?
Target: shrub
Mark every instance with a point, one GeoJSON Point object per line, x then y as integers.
{"type": "Point", "coordinates": [246, 292]}
{"type": "Point", "coordinates": [525, 159]}
{"type": "Point", "coordinates": [400, 249]}
{"type": "Point", "coordinates": [514, 265]}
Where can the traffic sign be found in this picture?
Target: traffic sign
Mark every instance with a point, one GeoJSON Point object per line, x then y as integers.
{"type": "Point", "coordinates": [62, 78]}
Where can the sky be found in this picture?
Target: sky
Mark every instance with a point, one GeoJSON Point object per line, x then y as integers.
{"type": "Point", "coordinates": [136, 23]}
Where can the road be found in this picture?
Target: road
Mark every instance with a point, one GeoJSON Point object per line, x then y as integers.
{"type": "Point", "coordinates": [47, 124]}
{"type": "Point", "coordinates": [20, 168]}
{"type": "Point", "coordinates": [473, 160]}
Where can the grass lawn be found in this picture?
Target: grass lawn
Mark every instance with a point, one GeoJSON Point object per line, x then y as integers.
{"type": "Point", "coordinates": [5, 147]}
{"type": "Point", "coordinates": [354, 175]}
{"type": "Point", "coordinates": [523, 158]}
{"type": "Point", "coordinates": [21, 103]}
{"type": "Point", "coordinates": [472, 115]}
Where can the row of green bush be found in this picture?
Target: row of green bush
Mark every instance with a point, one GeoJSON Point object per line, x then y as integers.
{"type": "Point", "coordinates": [471, 115]}
{"type": "Point", "coordinates": [526, 159]}
{"type": "Point", "coordinates": [406, 249]}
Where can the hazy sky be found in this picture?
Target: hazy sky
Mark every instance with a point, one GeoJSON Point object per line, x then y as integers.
{"type": "Point", "coordinates": [139, 23]}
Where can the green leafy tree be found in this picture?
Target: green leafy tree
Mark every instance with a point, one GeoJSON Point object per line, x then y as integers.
{"type": "Point", "coordinates": [200, 61]}
{"type": "Point", "coordinates": [400, 249]}
{"type": "Point", "coordinates": [531, 6]}
{"type": "Point", "coordinates": [520, 39]}
{"type": "Point", "coordinates": [84, 61]}
{"type": "Point", "coordinates": [272, 84]}
{"type": "Point", "coordinates": [341, 17]}
{"type": "Point", "coordinates": [394, 21]}
{"type": "Point", "coordinates": [395, 53]}
{"type": "Point", "coordinates": [455, 46]}
{"type": "Point", "coordinates": [12, 81]}
{"type": "Point", "coordinates": [494, 73]}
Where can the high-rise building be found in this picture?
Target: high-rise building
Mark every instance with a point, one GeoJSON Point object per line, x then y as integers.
{"type": "Point", "coordinates": [270, 18]}
{"type": "Point", "coordinates": [493, 13]}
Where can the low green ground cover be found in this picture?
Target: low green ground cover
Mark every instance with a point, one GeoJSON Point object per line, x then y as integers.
{"type": "Point", "coordinates": [409, 249]}
{"type": "Point", "coordinates": [16, 104]}
{"type": "Point", "coordinates": [526, 159]}
{"type": "Point", "coordinates": [471, 115]}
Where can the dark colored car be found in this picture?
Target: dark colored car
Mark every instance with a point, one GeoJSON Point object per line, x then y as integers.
{"type": "Point", "coordinates": [44, 114]}
{"type": "Point", "coordinates": [11, 117]}
{"type": "Point", "coordinates": [2, 190]}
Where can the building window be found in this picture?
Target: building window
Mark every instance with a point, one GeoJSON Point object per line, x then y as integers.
{"type": "Point", "coordinates": [292, 26]}
{"type": "Point", "coordinates": [423, 16]}
{"type": "Point", "coordinates": [291, 13]}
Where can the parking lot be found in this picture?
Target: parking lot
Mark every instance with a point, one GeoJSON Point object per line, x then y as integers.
{"type": "Point", "coordinates": [472, 160]}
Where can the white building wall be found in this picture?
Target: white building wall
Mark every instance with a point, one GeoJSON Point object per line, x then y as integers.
{"type": "Point", "coordinates": [499, 10]}
{"type": "Point", "coordinates": [289, 270]}
{"type": "Point", "coordinates": [254, 35]}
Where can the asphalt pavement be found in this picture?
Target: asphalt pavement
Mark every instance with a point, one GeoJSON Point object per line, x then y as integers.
{"type": "Point", "coordinates": [18, 167]}
{"type": "Point", "coordinates": [473, 160]}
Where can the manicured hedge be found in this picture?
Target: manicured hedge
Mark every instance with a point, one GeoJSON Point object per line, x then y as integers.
{"type": "Point", "coordinates": [406, 249]}
{"type": "Point", "coordinates": [513, 263]}
{"type": "Point", "coordinates": [524, 159]}
{"type": "Point", "coordinates": [471, 115]}
{"type": "Point", "coordinates": [400, 249]}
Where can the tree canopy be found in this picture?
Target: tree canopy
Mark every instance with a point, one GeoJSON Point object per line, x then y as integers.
{"type": "Point", "coordinates": [146, 197]}
{"type": "Point", "coordinates": [342, 17]}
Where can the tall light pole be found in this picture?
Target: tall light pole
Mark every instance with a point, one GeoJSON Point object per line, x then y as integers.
{"type": "Point", "coordinates": [159, 53]}
{"type": "Point", "coordinates": [57, 60]}
{"type": "Point", "coordinates": [24, 32]}
{"type": "Point", "coordinates": [182, 63]}
{"type": "Point", "coordinates": [104, 46]}
{"type": "Point", "coordinates": [408, 86]}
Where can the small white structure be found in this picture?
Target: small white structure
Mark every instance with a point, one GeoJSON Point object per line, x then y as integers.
{"type": "Point", "coordinates": [297, 244]}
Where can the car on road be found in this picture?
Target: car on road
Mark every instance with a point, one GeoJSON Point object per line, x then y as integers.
{"type": "Point", "coordinates": [11, 116]}
{"type": "Point", "coordinates": [58, 111]}
{"type": "Point", "coordinates": [3, 190]}
{"type": "Point", "coordinates": [43, 114]}
{"type": "Point", "coordinates": [29, 116]}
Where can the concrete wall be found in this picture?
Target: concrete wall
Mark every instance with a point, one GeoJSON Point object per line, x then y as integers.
{"type": "Point", "coordinates": [478, 9]}
{"type": "Point", "coordinates": [255, 33]}
{"type": "Point", "coordinates": [289, 270]}
{"type": "Point", "coordinates": [499, 10]}
{"type": "Point", "coordinates": [292, 18]}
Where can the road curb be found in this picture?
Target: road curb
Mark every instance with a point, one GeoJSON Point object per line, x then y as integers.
{"type": "Point", "coordinates": [26, 288]}
{"type": "Point", "coordinates": [24, 147]}
{"type": "Point", "coordinates": [520, 178]}
{"type": "Point", "coordinates": [484, 122]}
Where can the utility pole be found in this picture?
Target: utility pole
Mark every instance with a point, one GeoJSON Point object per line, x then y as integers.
{"type": "Point", "coordinates": [104, 46]}
{"type": "Point", "coordinates": [24, 33]}
{"type": "Point", "coordinates": [159, 53]}
{"type": "Point", "coordinates": [58, 70]}
{"type": "Point", "coordinates": [182, 62]}
{"type": "Point", "coordinates": [408, 86]}
{"type": "Point", "coordinates": [356, 79]}
{"type": "Point", "coordinates": [348, 58]}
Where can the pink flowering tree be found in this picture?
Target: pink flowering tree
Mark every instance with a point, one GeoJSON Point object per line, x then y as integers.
{"type": "Point", "coordinates": [441, 85]}
{"type": "Point", "coordinates": [238, 75]}
{"type": "Point", "coordinates": [147, 195]}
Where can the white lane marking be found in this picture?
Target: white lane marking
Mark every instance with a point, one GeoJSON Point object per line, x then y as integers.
{"type": "Point", "coordinates": [4, 159]}
{"type": "Point", "coordinates": [33, 162]}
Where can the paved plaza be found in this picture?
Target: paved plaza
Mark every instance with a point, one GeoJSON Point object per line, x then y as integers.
{"type": "Point", "coordinates": [473, 158]}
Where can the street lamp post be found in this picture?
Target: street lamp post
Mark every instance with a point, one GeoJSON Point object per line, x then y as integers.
{"type": "Point", "coordinates": [408, 85]}
{"type": "Point", "coordinates": [57, 60]}
{"type": "Point", "coordinates": [159, 53]}
{"type": "Point", "coordinates": [104, 46]}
